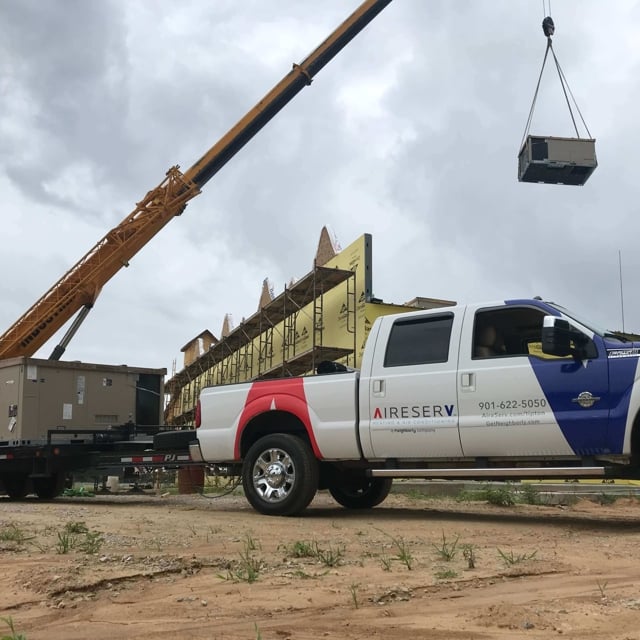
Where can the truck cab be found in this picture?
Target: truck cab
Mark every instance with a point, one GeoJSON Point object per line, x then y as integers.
{"type": "Point", "coordinates": [521, 378]}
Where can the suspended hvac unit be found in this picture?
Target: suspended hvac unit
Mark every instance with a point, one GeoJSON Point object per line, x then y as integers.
{"type": "Point", "coordinates": [553, 160]}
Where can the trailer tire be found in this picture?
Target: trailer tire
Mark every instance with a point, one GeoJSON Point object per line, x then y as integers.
{"type": "Point", "coordinates": [16, 485]}
{"type": "Point", "coordinates": [362, 493]}
{"type": "Point", "coordinates": [49, 487]}
{"type": "Point", "coordinates": [280, 475]}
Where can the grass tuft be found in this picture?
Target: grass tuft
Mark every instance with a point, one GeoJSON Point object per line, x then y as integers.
{"type": "Point", "coordinates": [353, 589]}
{"type": "Point", "coordinates": [510, 558]}
{"type": "Point", "coordinates": [330, 557]}
{"type": "Point", "coordinates": [13, 533]}
{"type": "Point", "coordinates": [13, 634]}
{"type": "Point", "coordinates": [247, 569]}
{"type": "Point", "coordinates": [447, 549]}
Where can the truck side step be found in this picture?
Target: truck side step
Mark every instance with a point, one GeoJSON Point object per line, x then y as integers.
{"type": "Point", "coordinates": [498, 473]}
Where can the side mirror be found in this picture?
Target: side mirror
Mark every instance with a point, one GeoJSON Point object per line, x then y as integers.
{"type": "Point", "coordinates": [560, 339]}
{"type": "Point", "coordinates": [556, 337]}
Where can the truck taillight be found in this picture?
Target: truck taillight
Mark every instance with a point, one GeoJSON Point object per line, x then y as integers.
{"type": "Point", "coordinates": [198, 415]}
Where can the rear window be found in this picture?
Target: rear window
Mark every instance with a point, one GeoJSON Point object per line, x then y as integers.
{"type": "Point", "coordinates": [419, 341]}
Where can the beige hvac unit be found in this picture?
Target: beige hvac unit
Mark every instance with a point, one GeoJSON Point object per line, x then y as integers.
{"type": "Point", "coordinates": [552, 160]}
{"type": "Point", "coordinates": [40, 396]}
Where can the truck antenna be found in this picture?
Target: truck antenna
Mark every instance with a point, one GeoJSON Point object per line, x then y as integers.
{"type": "Point", "coordinates": [621, 291]}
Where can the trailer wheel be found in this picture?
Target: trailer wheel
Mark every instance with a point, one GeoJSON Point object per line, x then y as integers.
{"type": "Point", "coordinates": [49, 487]}
{"type": "Point", "coordinates": [361, 493]}
{"type": "Point", "coordinates": [280, 475]}
{"type": "Point", "coordinates": [16, 485]}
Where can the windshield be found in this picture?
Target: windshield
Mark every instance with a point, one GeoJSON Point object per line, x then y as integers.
{"type": "Point", "coordinates": [585, 323]}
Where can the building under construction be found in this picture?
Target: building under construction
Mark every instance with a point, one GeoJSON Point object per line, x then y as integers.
{"type": "Point", "coordinates": [325, 315]}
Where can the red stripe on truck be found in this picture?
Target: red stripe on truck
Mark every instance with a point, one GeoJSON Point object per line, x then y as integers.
{"type": "Point", "coordinates": [286, 394]}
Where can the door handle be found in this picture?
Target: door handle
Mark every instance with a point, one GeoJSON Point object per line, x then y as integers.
{"type": "Point", "coordinates": [468, 381]}
{"type": "Point", "coordinates": [378, 387]}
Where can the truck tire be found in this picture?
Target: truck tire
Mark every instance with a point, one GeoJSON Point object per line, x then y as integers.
{"type": "Point", "coordinates": [16, 485]}
{"type": "Point", "coordinates": [363, 493]}
{"type": "Point", "coordinates": [280, 475]}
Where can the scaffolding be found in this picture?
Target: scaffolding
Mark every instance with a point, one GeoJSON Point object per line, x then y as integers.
{"type": "Point", "coordinates": [251, 351]}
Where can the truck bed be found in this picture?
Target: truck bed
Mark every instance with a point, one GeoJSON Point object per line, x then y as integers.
{"type": "Point", "coordinates": [328, 401]}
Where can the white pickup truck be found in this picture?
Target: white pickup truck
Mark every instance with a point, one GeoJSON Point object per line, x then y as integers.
{"type": "Point", "coordinates": [508, 390]}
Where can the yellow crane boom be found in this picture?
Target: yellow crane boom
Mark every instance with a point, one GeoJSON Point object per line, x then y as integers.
{"type": "Point", "coordinates": [78, 289]}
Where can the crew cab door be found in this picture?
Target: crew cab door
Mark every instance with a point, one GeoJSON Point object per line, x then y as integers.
{"type": "Point", "coordinates": [518, 401]}
{"type": "Point", "coordinates": [408, 405]}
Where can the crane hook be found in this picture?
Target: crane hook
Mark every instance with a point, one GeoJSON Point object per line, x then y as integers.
{"type": "Point", "coordinates": [548, 27]}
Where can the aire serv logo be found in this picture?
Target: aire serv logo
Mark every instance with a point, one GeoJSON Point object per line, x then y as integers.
{"type": "Point", "coordinates": [415, 414]}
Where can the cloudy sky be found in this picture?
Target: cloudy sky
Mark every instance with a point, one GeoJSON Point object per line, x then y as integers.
{"type": "Point", "coordinates": [410, 134]}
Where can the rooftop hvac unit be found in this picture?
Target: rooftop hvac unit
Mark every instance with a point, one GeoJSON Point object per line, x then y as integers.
{"type": "Point", "coordinates": [557, 160]}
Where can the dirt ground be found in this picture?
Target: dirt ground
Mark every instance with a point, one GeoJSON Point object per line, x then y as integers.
{"type": "Point", "coordinates": [166, 566]}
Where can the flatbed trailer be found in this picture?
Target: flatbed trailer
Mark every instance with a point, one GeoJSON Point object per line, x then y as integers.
{"type": "Point", "coordinates": [47, 469]}
{"type": "Point", "coordinates": [61, 418]}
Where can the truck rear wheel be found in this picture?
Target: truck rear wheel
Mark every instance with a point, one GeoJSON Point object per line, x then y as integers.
{"type": "Point", "coordinates": [361, 493]}
{"type": "Point", "coordinates": [280, 475]}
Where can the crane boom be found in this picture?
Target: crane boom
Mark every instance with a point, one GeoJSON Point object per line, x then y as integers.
{"type": "Point", "coordinates": [78, 289]}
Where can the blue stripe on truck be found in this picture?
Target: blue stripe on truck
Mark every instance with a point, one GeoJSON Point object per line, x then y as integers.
{"type": "Point", "coordinates": [622, 373]}
{"type": "Point", "coordinates": [588, 436]}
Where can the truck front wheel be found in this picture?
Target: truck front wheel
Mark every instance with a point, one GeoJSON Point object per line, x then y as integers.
{"type": "Point", "coordinates": [280, 475]}
{"type": "Point", "coordinates": [361, 493]}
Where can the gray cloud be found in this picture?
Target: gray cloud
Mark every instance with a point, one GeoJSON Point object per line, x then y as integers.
{"type": "Point", "coordinates": [410, 134]}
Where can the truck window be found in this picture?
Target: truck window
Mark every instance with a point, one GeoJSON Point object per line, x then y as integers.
{"type": "Point", "coordinates": [508, 331]}
{"type": "Point", "coordinates": [419, 341]}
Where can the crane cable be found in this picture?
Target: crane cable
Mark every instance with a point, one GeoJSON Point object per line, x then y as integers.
{"type": "Point", "coordinates": [548, 27]}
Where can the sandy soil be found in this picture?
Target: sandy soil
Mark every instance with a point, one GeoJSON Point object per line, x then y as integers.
{"type": "Point", "coordinates": [146, 566]}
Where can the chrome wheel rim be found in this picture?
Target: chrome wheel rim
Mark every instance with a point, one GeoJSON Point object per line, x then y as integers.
{"type": "Point", "coordinates": [274, 475]}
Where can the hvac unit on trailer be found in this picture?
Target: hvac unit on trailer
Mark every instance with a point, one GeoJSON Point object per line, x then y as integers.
{"type": "Point", "coordinates": [553, 159]}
